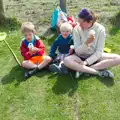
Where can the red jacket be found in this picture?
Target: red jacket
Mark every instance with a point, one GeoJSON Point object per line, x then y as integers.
{"type": "Point", "coordinates": [25, 51]}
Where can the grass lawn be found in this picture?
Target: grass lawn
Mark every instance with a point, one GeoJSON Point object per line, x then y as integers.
{"type": "Point", "coordinates": [49, 96]}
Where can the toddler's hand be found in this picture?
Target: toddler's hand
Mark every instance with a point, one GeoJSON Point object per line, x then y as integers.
{"type": "Point", "coordinates": [33, 50]}
{"type": "Point", "coordinates": [71, 51]}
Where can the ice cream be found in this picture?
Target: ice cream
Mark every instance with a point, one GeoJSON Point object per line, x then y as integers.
{"type": "Point", "coordinates": [30, 46]}
{"type": "Point", "coordinates": [92, 32]}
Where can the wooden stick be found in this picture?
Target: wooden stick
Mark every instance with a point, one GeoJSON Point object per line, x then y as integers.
{"type": "Point", "coordinates": [12, 53]}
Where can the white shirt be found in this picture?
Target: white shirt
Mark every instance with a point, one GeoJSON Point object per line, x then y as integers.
{"type": "Point", "coordinates": [96, 47]}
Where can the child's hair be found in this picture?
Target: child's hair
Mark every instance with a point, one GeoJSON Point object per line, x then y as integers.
{"type": "Point", "coordinates": [66, 27]}
{"type": "Point", "coordinates": [87, 15]}
{"type": "Point", "coordinates": [27, 27]}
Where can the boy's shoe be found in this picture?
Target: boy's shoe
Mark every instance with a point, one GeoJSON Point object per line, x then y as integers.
{"type": "Point", "coordinates": [30, 73]}
{"type": "Point", "coordinates": [55, 68]}
{"type": "Point", "coordinates": [64, 69]}
{"type": "Point", "coordinates": [35, 70]}
{"type": "Point", "coordinates": [106, 73]}
{"type": "Point", "coordinates": [26, 75]}
{"type": "Point", "coordinates": [77, 74]}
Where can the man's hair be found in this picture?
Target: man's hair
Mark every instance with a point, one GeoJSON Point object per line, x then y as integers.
{"type": "Point", "coordinates": [87, 15]}
{"type": "Point", "coordinates": [66, 27]}
{"type": "Point", "coordinates": [27, 27]}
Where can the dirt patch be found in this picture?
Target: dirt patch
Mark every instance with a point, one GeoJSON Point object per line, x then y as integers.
{"type": "Point", "coordinates": [39, 11]}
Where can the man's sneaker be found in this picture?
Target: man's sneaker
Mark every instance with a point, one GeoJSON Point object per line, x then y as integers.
{"type": "Point", "coordinates": [64, 69]}
{"type": "Point", "coordinates": [77, 74]}
{"type": "Point", "coordinates": [55, 68]}
{"type": "Point", "coordinates": [106, 73]}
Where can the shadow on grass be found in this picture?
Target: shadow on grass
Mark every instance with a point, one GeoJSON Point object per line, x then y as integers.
{"type": "Point", "coordinates": [68, 84]}
{"type": "Point", "coordinates": [106, 81]}
{"type": "Point", "coordinates": [42, 73]}
{"type": "Point", "coordinates": [16, 73]}
{"type": "Point", "coordinates": [65, 84]}
{"type": "Point", "coordinates": [51, 40]}
{"type": "Point", "coordinates": [115, 21]}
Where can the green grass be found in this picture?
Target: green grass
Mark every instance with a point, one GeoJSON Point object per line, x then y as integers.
{"type": "Point", "coordinates": [49, 96]}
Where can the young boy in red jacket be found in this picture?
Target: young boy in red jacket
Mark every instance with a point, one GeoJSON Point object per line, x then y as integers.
{"type": "Point", "coordinates": [32, 48]}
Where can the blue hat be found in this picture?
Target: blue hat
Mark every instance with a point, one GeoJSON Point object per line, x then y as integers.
{"type": "Point", "coordinates": [84, 14]}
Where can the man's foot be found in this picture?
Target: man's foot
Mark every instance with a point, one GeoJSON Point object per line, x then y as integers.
{"type": "Point", "coordinates": [55, 68]}
{"type": "Point", "coordinates": [77, 74]}
{"type": "Point", "coordinates": [64, 69]}
{"type": "Point", "coordinates": [106, 73]}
